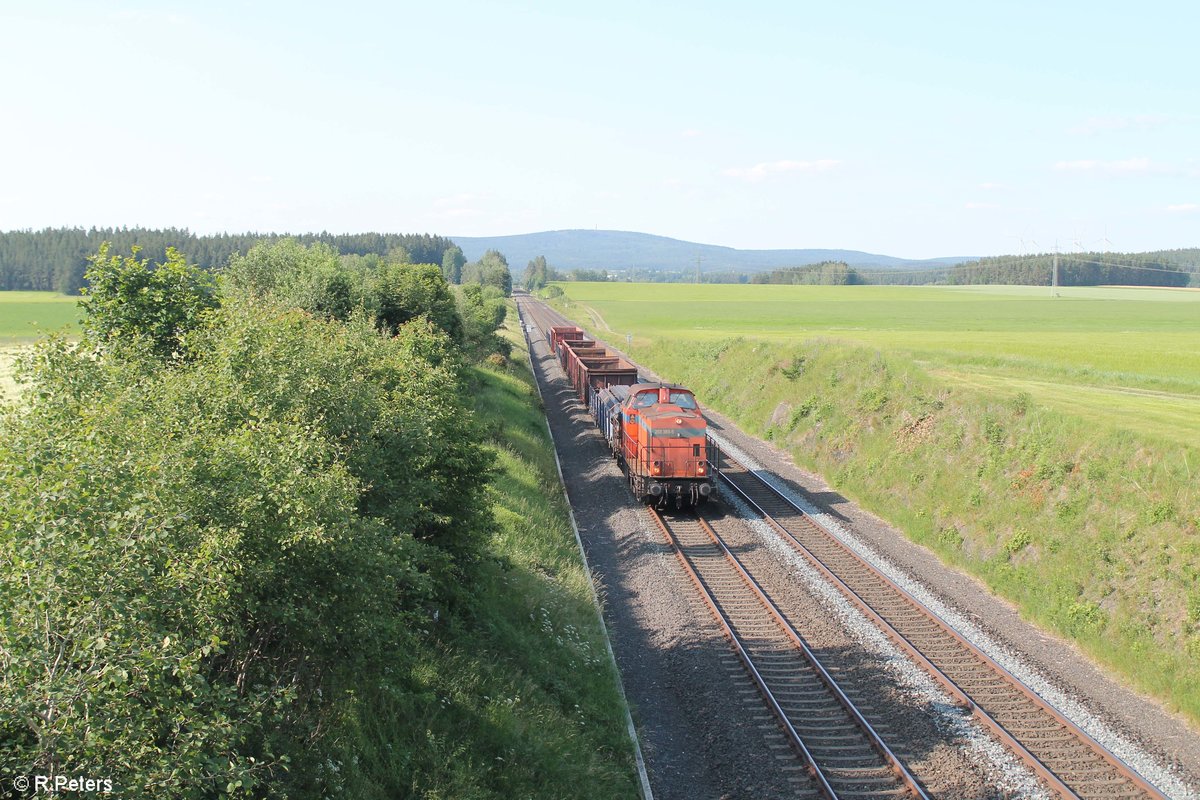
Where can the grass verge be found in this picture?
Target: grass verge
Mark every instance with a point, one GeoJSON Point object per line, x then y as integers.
{"type": "Point", "coordinates": [514, 696]}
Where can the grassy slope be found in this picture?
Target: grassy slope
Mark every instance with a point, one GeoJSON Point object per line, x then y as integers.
{"type": "Point", "coordinates": [519, 698]}
{"type": "Point", "coordinates": [1091, 523]}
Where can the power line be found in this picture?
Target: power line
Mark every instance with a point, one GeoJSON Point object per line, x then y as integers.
{"type": "Point", "coordinates": [1066, 260]}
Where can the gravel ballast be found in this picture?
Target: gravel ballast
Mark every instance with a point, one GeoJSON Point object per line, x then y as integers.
{"type": "Point", "coordinates": [701, 735]}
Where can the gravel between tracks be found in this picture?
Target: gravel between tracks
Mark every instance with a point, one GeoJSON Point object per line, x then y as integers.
{"type": "Point", "coordinates": [943, 745]}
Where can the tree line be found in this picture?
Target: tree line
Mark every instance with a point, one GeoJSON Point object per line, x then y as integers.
{"type": "Point", "coordinates": [826, 273]}
{"type": "Point", "coordinates": [1074, 269]}
{"type": "Point", "coordinates": [56, 259]}
{"type": "Point", "coordinates": [538, 274]}
{"type": "Point", "coordinates": [231, 510]}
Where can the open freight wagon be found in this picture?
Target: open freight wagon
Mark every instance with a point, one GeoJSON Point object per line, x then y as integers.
{"type": "Point", "coordinates": [655, 430]}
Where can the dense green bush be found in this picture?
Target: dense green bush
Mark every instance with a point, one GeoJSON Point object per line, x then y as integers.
{"type": "Point", "coordinates": [194, 559]}
{"type": "Point", "coordinates": [134, 308]}
{"type": "Point", "coordinates": [483, 310]}
{"type": "Point", "coordinates": [318, 280]}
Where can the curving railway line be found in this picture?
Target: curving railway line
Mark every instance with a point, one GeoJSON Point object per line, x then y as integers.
{"type": "Point", "coordinates": [845, 756]}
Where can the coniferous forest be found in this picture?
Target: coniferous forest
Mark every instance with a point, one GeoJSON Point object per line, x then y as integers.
{"type": "Point", "coordinates": [55, 259]}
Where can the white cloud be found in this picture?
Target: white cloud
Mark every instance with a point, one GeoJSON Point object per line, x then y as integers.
{"type": "Point", "coordinates": [691, 133]}
{"type": "Point", "coordinates": [760, 171]}
{"type": "Point", "coordinates": [992, 186]}
{"type": "Point", "coordinates": [973, 205]}
{"type": "Point", "coordinates": [1130, 165]}
{"type": "Point", "coordinates": [1184, 208]}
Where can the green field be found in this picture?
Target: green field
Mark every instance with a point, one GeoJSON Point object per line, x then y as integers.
{"type": "Point", "coordinates": [1124, 357]}
{"type": "Point", "coordinates": [25, 316]}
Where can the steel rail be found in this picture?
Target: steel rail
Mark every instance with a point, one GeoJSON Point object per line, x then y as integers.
{"type": "Point", "coordinates": [793, 737]}
{"type": "Point", "coordinates": [896, 765]}
{"type": "Point", "coordinates": [907, 781]}
{"type": "Point", "coordinates": [956, 692]}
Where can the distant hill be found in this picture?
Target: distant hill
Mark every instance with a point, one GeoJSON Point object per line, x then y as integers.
{"type": "Point", "coordinates": [624, 250]}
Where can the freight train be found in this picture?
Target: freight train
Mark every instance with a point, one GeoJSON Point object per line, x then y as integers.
{"type": "Point", "coordinates": [654, 430]}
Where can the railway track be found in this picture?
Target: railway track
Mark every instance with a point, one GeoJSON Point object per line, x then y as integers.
{"type": "Point", "coordinates": [1069, 762]}
{"type": "Point", "coordinates": [843, 754]}
{"type": "Point", "coordinates": [1067, 759]}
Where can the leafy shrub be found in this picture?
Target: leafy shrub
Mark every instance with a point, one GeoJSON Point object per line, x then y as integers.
{"type": "Point", "coordinates": [872, 400]}
{"type": "Point", "coordinates": [190, 558]}
{"type": "Point", "coordinates": [993, 433]}
{"type": "Point", "coordinates": [483, 310]}
{"type": "Point", "coordinates": [950, 537]}
{"type": "Point", "coordinates": [1160, 511]}
{"type": "Point", "coordinates": [318, 280]}
{"type": "Point", "coordinates": [1017, 542]}
{"type": "Point", "coordinates": [134, 308]}
{"type": "Point", "coordinates": [795, 369]}
{"type": "Point", "coordinates": [1085, 617]}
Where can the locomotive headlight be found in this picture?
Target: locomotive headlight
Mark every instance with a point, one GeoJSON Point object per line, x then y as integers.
{"type": "Point", "coordinates": [700, 469]}
{"type": "Point", "coordinates": [679, 420]}
{"type": "Point", "coordinates": [656, 468]}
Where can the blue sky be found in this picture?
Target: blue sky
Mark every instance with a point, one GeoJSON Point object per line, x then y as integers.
{"type": "Point", "coordinates": [915, 130]}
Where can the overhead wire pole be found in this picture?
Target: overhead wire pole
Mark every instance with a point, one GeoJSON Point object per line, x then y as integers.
{"type": "Point", "coordinates": [1054, 279]}
{"type": "Point", "coordinates": [698, 260]}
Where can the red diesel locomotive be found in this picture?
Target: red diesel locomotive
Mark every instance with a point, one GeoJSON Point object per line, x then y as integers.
{"type": "Point", "coordinates": [655, 430]}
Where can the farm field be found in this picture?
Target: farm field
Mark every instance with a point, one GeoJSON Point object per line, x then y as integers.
{"type": "Point", "coordinates": [26, 316]}
{"type": "Point", "coordinates": [1125, 357]}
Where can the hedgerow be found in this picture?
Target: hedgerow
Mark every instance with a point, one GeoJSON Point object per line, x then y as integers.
{"type": "Point", "coordinates": [197, 553]}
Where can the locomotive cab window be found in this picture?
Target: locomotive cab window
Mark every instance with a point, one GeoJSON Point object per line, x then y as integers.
{"type": "Point", "coordinates": [683, 399]}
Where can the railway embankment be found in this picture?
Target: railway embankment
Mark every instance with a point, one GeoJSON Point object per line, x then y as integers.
{"type": "Point", "coordinates": [1094, 534]}
{"type": "Point", "coordinates": [1091, 533]}
{"type": "Point", "coordinates": [518, 697]}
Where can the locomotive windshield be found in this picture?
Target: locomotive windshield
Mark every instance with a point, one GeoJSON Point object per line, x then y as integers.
{"type": "Point", "coordinates": [683, 399]}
